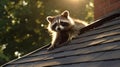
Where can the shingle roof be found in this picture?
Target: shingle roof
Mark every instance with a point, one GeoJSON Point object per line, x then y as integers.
{"type": "Point", "coordinates": [98, 45]}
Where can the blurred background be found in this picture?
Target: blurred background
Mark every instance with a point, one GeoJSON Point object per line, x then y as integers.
{"type": "Point", "coordinates": [23, 23]}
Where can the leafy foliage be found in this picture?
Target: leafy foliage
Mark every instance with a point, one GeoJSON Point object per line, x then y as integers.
{"type": "Point", "coordinates": [23, 24]}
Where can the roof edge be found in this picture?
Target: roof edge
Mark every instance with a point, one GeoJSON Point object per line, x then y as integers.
{"type": "Point", "coordinates": [101, 21]}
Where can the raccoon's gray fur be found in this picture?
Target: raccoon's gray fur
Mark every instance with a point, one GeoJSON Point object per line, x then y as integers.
{"type": "Point", "coordinates": [63, 28]}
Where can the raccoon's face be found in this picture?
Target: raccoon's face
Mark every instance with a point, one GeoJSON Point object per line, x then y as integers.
{"type": "Point", "coordinates": [61, 22]}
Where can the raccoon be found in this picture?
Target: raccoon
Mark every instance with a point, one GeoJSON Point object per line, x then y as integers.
{"type": "Point", "coordinates": [63, 28]}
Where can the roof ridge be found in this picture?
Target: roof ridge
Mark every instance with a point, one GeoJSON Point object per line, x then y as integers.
{"type": "Point", "coordinates": [101, 21]}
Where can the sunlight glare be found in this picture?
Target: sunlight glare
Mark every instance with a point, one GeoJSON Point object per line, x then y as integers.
{"type": "Point", "coordinates": [18, 54]}
{"type": "Point", "coordinates": [25, 3]}
{"type": "Point", "coordinates": [74, 0]}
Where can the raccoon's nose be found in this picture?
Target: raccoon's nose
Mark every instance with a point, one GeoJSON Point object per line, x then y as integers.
{"type": "Point", "coordinates": [58, 29]}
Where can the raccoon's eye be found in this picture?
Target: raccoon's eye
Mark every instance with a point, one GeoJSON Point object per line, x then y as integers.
{"type": "Point", "coordinates": [54, 26]}
{"type": "Point", "coordinates": [64, 23]}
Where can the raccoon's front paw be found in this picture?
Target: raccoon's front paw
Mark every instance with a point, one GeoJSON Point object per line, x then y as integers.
{"type": "Point", "coordinates": [50, 47]}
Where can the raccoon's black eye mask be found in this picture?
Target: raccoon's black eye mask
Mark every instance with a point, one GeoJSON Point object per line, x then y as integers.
{"type": "Point", "coordinates": [54, 26]}
{"type": "Point", "coordinates": [64, 23]}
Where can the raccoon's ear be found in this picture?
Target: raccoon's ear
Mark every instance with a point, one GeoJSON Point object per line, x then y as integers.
{"type": "Point", "coordinates": [65, 13]}
{"type": "Point", "coordinates": [50, 18]}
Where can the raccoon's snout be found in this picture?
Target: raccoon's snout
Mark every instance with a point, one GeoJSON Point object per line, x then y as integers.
{"type": "Point", "coordinates": [58, 29]}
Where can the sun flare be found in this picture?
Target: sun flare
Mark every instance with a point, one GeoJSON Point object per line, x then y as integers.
{"type": "Point", "coordinates": [75, 1]}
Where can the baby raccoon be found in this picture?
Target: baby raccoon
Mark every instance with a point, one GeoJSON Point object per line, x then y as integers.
{"type": "Point", "coordinates": [63, 28]}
